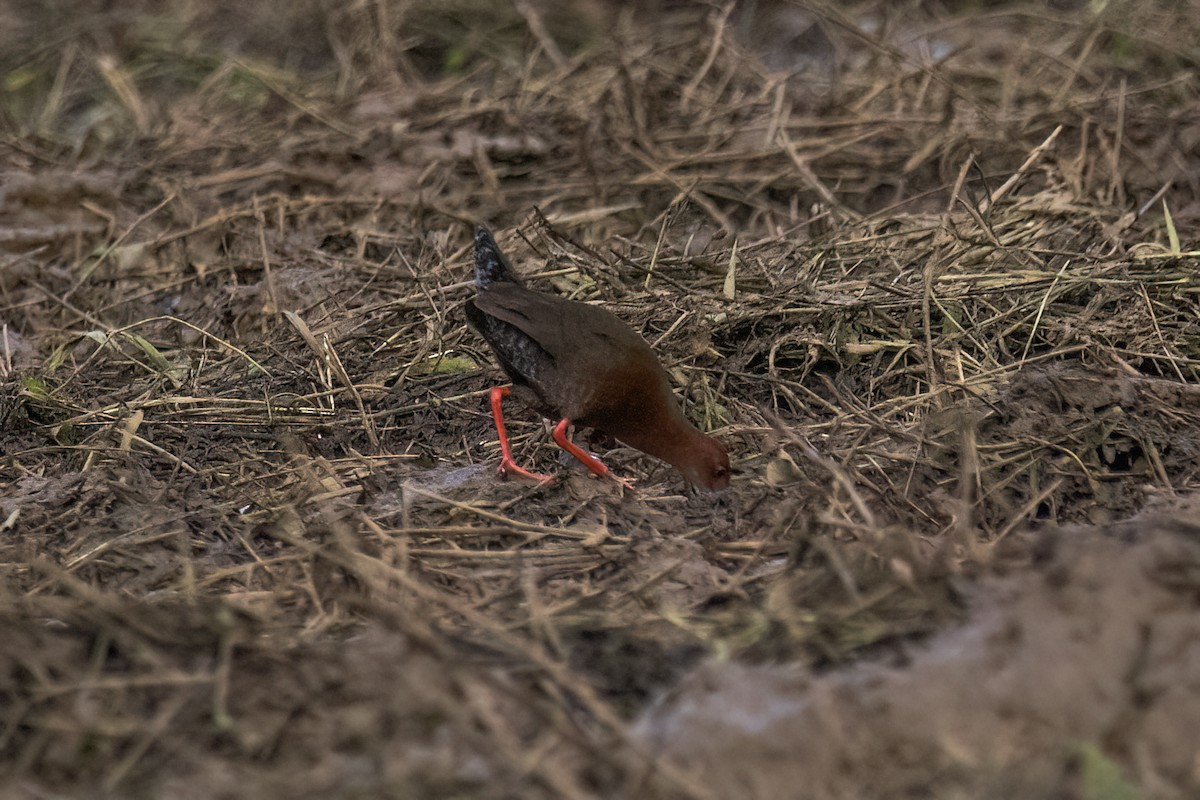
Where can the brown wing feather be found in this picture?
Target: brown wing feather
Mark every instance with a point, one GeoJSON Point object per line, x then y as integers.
{"type": "Point", "coordinates": [591, 349]}
{"type": "Point", "coordinates": [566, 329]}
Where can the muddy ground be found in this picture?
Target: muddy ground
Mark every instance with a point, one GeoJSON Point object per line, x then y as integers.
{"type": "Point", "coordinates": [929, 270]}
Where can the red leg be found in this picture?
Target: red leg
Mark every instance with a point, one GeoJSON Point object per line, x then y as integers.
{"type": "Point", "coordinates": [589, 461]}
{"type": "Point", "coordinates": [507, 465]}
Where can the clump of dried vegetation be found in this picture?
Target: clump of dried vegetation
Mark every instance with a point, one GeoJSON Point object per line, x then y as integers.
{"type": "Point", "coordinates": [928, 269]}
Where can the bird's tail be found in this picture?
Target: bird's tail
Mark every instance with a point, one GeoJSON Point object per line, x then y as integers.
{"type": "Point", "coordinates": [490, 264]}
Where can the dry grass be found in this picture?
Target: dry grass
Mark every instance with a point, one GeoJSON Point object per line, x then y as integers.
{"type": "Point", "coordinates": [931, 274]}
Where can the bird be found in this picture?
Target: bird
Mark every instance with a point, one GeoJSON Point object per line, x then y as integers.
{"type": "Point", "coordinates": [582, 365]}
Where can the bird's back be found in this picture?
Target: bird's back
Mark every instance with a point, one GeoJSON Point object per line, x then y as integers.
{"type": "Point", "coordinates": [578, 358]}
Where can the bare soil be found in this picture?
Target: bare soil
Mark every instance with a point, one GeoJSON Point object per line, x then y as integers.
{"type": "Point", "coordinates": [928, 270]}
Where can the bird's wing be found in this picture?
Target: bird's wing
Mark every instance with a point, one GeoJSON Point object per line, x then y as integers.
{"type": "Point", "coordinates": [570, 332]}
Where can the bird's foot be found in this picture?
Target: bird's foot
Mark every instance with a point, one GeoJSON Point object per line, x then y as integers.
{"type": "Point", "coordinates": [508, 468]}
{"type": "Point", "coordinates": [625, 484]}
{"type": "Point", "coordinates": [601, 470]}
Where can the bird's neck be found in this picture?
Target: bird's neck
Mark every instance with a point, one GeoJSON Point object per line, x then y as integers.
{"type": "Point", "coordinates": [672, 439]}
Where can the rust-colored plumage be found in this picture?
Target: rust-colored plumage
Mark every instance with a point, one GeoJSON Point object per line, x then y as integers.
{"type": "Point", "coordinates": [581, 364]}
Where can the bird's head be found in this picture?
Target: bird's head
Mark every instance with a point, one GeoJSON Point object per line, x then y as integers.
{"type": "Point", "coordinates": [705, 464]}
